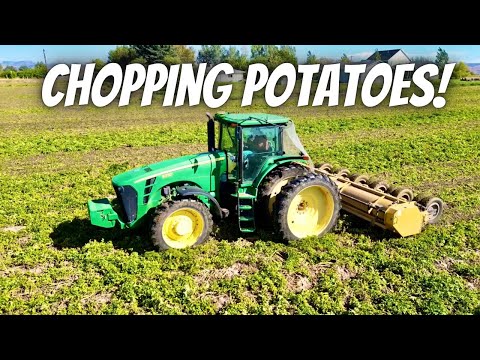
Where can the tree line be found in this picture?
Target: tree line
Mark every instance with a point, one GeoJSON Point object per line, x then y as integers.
{"type": "Point", "coordinates": [270, 55]}
{"type": "Point", "coordinates": [24, 72]}
{"type": "Point", "coordinates": [240, 59]}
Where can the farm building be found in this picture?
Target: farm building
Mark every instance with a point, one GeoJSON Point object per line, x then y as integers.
{"type": "Point", "coordinates": [238, 75]}
{"type": "Point", "coordinates": [391, 57]}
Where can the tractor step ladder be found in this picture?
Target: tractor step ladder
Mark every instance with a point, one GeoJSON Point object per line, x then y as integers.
{"type": "Point", "coordinates": [246, 212]}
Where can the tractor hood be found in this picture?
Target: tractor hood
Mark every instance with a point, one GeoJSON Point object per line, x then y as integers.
{"type": "Point", "coordinates": [164, 169]}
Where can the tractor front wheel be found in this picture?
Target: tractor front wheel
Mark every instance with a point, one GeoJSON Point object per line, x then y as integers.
{"type": "Point", "coordinates": [307, 206]}
{"type": "Point", "coordinates": [180, 224]}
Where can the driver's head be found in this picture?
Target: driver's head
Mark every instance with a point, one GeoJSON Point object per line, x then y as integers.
{"type": "Point", "coordinates": [260, 143]}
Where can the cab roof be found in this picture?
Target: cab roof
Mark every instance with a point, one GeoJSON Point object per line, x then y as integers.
{"type": "Point", "coordinates": [250, 119]}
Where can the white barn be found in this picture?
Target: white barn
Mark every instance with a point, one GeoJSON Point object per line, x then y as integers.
{"type": "Point", "coordinates": [391, 57]}
{"type": "Point", "coordinates": [238, 75]}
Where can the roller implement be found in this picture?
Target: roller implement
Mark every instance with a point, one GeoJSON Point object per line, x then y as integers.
{"type": "Point", "coordinates": [255, 170]}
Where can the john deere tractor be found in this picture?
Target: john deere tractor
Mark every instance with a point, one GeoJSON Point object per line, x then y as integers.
{"type": "Point", "coordinates": [260, 173]}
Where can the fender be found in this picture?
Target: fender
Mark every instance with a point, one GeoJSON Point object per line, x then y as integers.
{"type": "Point", "coordinates": [189, 190]}
{"type": "Point", "coordinates": [275, 163]}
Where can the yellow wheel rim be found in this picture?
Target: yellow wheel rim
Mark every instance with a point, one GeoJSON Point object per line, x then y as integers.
{"type": "Point", "coordinates": [310, 211]}
{"type": "Point", "coordinates": [183, 228]}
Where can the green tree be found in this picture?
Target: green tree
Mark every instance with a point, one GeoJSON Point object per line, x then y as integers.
{"type": "Point", "coordinates": [233, 56]}
{"type": "Point", "coordinates": [153, 53]}
{"type": "Point", "coordinates": [461, 70]}
{"type": "Point", "coordinates": [186, 54]}
{"type": "Point", "coordinates": [122, 55]}
{"type": "Point", "coordinates": [257, 51]}
{"type": "Point", "coordinates": [99, 64]}
{"type": "Point", "coordinates": [441, 59]}
{"type": "Point", "coordinates": [422, 60]}
{"type": "Point", "coordinates": [287, 53]}
{"type": "Point", "coordinates": [181, 54]}
{"type": "Point", "coordinates": [40, 70]}
{"type": "Point", "coordinates": [210, 54]}
{"type": "Point", "coordinates": [272, 55]}
{"type": "Point", "coordinates": [345, 59]}
{"type": "Point", "coordinates": [377, 55]}
{"type": "Point", "coordinates": [311, 58]}
{"type": "Point", "coordinates": [9, 72]}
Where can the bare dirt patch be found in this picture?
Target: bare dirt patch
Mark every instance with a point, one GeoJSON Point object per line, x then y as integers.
{"type": "Point", "coordinates": [298, 283]}
{"type": "Point", "coordinates": [345, 274]}
{"type": "Point", "coordinates": [22, 269]}
{"type": "Point", "coordinates": [219, 300]}
{"type": "Point", "coordinates": [318, 268]}
{"type": "Point", "coordinates": [208, 275]}
{"type": "Point", "coordinates": [474, 284]}
{"type": "Point", "coordinates": [98, 298]}
{"type": "Point", "coordinates": [16, 228]}
{"type": "Point", "coordinates": [23, 240]}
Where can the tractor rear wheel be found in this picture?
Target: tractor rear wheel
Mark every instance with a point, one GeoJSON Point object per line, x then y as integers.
{"type": "Point", "coordinates": [271, 187]}
{"type": "Point", "coordinates": [307, 206]}
{"type": "Point", "coordinates": [180, 224]}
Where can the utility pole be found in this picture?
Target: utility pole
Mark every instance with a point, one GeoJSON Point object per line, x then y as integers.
{"type": "Point", "coordinates": [45, 58]}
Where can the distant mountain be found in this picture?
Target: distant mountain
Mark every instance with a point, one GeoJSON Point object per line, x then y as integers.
{"type": "Point", "coordinates": [17, 64]}
{"type": "Point", "coordinates": [474, 67]}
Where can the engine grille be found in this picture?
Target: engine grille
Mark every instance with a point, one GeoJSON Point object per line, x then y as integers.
{"type": "Point", "coordinates": [127, 197]}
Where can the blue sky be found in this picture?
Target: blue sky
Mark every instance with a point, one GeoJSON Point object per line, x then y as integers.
{"type": "Point", "coordinates": [85, 53]}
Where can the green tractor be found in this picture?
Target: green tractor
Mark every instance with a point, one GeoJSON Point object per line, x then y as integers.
{"type": "Point", "coordinates": [260, 172]}
{"type": "Point", "coordinates": [242, 174]}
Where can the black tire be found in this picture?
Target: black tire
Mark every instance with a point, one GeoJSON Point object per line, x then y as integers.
{"type": "Point", "coordinates": [266, 199]}
{"type": "Point", "coordinates": [402, 192]}
{"type": "Point", "coordinates": [434, 207]}
{"type": "Point", "coordinates": [325, 167]}
{"type": "Point", "coordinates": [165, 210]}
{"type": "Point", "coordinates": [342, 172]}
{"type": "Point", "coordinates": [288, 194]}
{"type": "Point", "coordinates": [361, 179]}
{"type": "Point", "coordinates": [379, 185]}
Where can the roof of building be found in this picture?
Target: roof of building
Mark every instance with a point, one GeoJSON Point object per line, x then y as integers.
{"type": "Point", "coordinates": [235, 71]}
{"type": "Point", "coordinates": [251, 119]}
{"type": "Point", "coordinates": [385, 55]}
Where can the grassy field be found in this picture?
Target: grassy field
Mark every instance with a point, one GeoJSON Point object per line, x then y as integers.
{"type": "Point", "coordinates": [53, 262]}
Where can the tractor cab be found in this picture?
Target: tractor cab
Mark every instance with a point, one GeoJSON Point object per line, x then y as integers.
{"type": "Point", "coordinates": [254, 143]}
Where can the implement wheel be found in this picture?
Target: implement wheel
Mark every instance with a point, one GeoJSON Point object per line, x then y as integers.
{"type": "Point", "coordinates": [343, 172]}
{"type": "Point", "coordinates": [404, 193]}
{"type": "Point", "coordinates": [307, 206]}
{"type": "Point", "coordinates": [379, 185]}
{"type": "Point", "coordinates": [361, 179]}
{"type": "Point", "coordinates": [180, 224]}
{"type": "Point", "coordinates": [434, 207]}
{"type": "Point", "coordinates": [325, 167]}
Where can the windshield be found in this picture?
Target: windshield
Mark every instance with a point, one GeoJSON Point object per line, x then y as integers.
{"type": "Point", "coordinates": [259, 144]}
